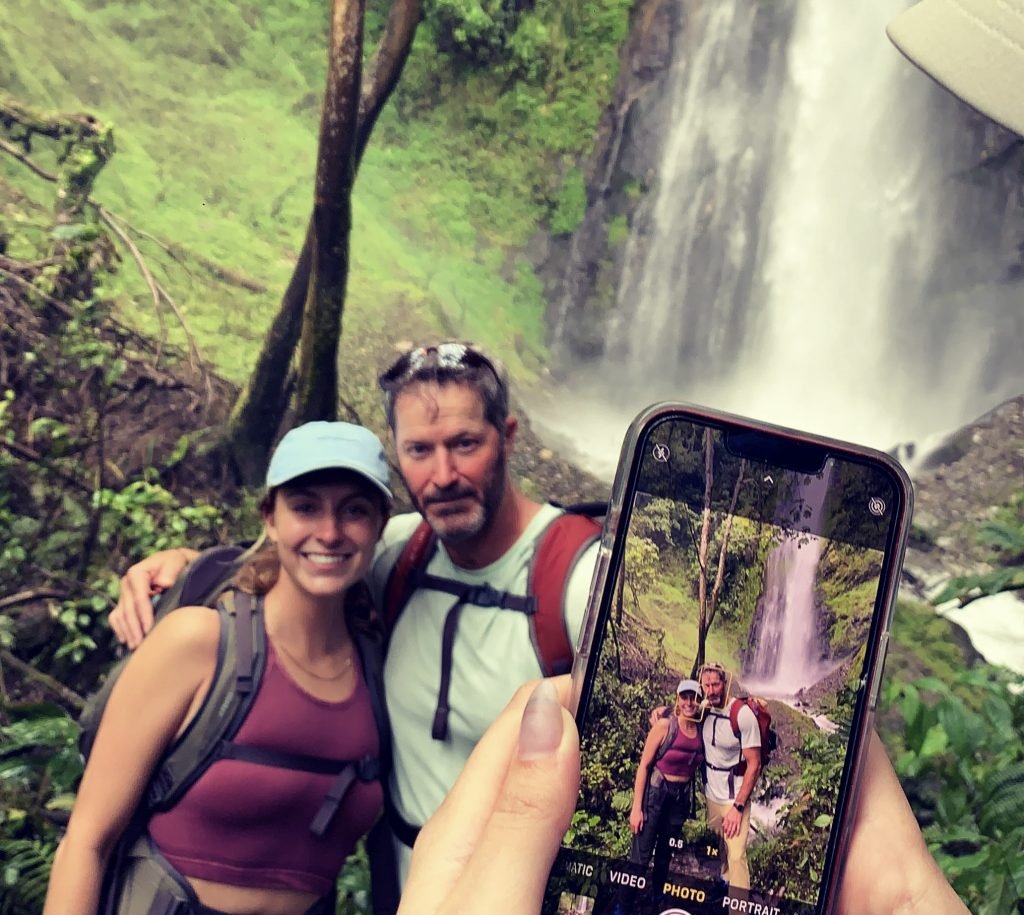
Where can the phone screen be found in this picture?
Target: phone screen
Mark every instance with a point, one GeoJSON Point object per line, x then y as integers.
{"type": "Point", "coordinates": [730, 673]}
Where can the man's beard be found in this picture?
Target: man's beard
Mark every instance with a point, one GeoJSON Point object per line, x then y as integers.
{"type": "Point", "coordinates": [467, 525]}
{"type": "Point", "coordinates": [719, 702]}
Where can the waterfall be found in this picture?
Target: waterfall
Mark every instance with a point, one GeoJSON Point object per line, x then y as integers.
{"type": "Point", "coordinates": [786, 654]}
{"type": "Point", "coordinates": [812, 252]}
{"type": "Point", "coordinates": [701, 211]}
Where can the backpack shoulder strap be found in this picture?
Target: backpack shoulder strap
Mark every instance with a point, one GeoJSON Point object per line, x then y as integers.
{"type": "Point", "coordinates": [241, 659]}
{"type": "Point", "coordinates": [669, 739]}
{"type": "Point", "coordinates": [734, 715]}
{"type": "Point", "coordinates": [558, 550]}
{"type": "Point", "coordinates": [201, 580]}
{"type": "Point", "coordinates": [371, 656]}
{"type": "Point", "coordinates": [402, 581]}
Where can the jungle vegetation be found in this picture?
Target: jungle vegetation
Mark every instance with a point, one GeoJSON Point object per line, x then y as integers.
{"type": "Point", "coordinates": [193, 132]}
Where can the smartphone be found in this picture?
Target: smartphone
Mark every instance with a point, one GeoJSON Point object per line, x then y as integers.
{"type": "Point", "coordinates": [729, 668]}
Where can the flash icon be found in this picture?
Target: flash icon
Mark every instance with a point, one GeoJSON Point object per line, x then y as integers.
{"type": "Point", "coordinates": [876, 506]}
{"type": "Point", "coordinates": [660, 453]}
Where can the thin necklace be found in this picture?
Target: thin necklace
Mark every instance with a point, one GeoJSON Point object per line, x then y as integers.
{"type": "Point", "coordinates": [335, 676]}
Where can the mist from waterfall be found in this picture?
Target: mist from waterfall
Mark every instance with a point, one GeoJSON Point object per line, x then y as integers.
{"type": "Point", "coordinates": [809, 255]}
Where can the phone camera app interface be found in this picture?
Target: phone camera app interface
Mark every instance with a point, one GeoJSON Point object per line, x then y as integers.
{"type": "Point", "coordinates": [725, 683]}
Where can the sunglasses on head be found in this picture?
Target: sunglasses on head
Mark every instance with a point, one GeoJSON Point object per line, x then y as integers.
{"type": "Point", "coordinates": [447, 359]}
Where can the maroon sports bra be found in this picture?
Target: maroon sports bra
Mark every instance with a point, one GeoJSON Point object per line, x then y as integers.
{"type": "Point", "coordinates": [248, 824]}
{"type": "Point", "coordinates": [683, 757]}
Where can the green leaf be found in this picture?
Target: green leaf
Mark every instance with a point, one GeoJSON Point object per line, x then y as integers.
{"type": "Point", "coordinates": [935, 742]}
{"type": "Point", "coordinates": [910, 704]}
{"type": "Point", "coordinates": [932, 685]}
{"type": "Point", "coordinates": [74, 230]}
{"type": "Point", "coordinates": [823, 820]}
{"type": "Point", "coordinates": [61, 802]}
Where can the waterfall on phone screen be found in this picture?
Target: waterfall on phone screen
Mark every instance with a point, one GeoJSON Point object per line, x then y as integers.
{"type": "Point", "coordinates": [786, 651]}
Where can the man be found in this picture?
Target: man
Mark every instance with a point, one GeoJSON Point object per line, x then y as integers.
{"type": "Point", "coordinates": [727, 792]}
{"type": "Point", "coordinates": [447, 407]}
{"type": "Point", "coordinates": [452, 665]}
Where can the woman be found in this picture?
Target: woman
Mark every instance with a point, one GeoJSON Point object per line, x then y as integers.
{"type": "Point", "coordinates": [663, 790]}
{"type": "Point", "coordinates": [240, 838]}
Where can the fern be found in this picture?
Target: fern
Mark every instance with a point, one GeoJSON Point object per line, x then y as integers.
{"type": "Point", "coordinates": [1004, 800]}
{"type": "Point", "coordinates": [25, 870]}
{"type": "Point", "coordinates": [52, 729]}
{"type": "Point", "coordinates": [1005, 536]}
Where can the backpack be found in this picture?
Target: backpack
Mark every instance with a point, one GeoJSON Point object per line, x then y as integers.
{"type": "Point", "coordinates": [138, 877]}
{"type": "Point", "coordinates": [769, 737]}
{"type": "Point", "coordinates": [555, 554]}
{"type": "Point", "coordinates": [199, 585]}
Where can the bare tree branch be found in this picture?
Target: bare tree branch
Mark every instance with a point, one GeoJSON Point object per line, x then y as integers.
{"type": "Point", "coordinates": [146, 275]}
{"type": "Point", "coordinates": [965, 599]}
{"type": "Point", "coordinates": [384, 68]}
{"type": "Point", "coordinates": [25, 160]}
{"type": "Point", "coordinates": [24, 453]}
{"type": "Point", "coordinates": [158, 292]}
{"type": "Point", "coordinates": [23, 597]}
{"type": "Point", "coordinates": [45, 680]}
{"type": "Point", "coordinates": [60, 306]}
{"type": "Point", "coordinates": [716, 590]}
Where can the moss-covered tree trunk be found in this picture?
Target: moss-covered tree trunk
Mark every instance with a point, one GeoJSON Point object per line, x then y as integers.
{"type": "Point", "coordinates": [87, 147]}
{"type": "Point", "coordinates": [702, 553]}
{"type": "Point", "coordinates": [84, 146]}
{"type": "Point", "coordinates": [256, 416]}
{"type": "Point", "coordinates": [316, 396]}
{"type": "Point", "coordinates": [323, 263]}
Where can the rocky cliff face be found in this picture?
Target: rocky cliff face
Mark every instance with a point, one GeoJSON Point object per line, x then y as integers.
{"type": "Point", "coordinates": [971, 476]}
{"type": "Point", "coordinates": [581, 271]}
{"type": "Point", "coordinates": [959, 486]}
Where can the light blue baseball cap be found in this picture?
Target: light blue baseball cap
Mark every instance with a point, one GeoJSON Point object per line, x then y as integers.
{"type": "Point", "coordinates": [688, 686]}
{"type": "Point", "coordinates": [328, 446]}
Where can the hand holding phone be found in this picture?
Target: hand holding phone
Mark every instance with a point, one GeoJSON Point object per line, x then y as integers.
{"type": "Point", "coordinates": [745, 584]}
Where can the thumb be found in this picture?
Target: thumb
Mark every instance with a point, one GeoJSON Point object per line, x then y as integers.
{"type": "Point", "coordinates": [509, 867]}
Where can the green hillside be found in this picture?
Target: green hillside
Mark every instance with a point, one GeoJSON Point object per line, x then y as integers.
{"type": "Point", "coordinates": [216, 107]}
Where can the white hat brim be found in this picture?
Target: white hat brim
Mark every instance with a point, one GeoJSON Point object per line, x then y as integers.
{"type": "Point", "coordinates": [975, 48]}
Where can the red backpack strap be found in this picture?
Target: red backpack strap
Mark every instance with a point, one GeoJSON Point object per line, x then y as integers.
{"type": "Point", "coordinates": [734, 714]}
{"type": "Point", "coordinates": [558, 550]}
{"type": "Point", "coordinates": [401, 583]}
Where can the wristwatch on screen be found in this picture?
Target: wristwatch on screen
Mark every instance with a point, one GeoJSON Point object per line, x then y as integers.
{"type": "Point", "coordinates": [739, 806]}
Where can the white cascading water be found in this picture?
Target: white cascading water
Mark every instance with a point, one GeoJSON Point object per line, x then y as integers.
{"type": "Point", "coordinates": [703, 220]}
{"type": "Point", "coordinates": [786, 655]}
{"type": "Point", "coordinates": [842, 344]}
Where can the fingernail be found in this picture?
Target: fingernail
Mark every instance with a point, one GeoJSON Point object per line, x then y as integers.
{"type": "Point", "coordinates": [540, 734]}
